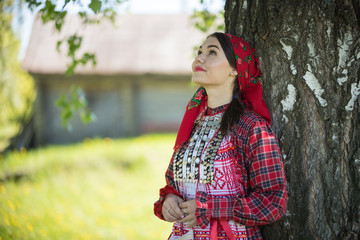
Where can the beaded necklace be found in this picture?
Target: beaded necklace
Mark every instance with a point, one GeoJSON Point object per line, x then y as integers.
{"type": "Point", "coordinates": [195, 160]}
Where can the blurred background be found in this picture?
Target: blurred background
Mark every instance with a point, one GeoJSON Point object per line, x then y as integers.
{"type": "Point", "coordinates": [91, 96]}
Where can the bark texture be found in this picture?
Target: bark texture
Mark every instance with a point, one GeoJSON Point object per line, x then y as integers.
{"type": "Point", "coordinates": [310, 54]}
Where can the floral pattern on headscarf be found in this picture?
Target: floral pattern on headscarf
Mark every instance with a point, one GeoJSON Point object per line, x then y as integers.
{"type": "Point", "coordinates": [196, 99]}
{"type": "Point", "coordinates": [249, 76]}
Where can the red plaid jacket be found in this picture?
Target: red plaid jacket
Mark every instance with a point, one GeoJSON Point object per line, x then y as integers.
{"type": "Point", "coordinates": [263, 181]}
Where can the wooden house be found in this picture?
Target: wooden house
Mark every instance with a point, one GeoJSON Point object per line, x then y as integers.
{"type": "Point", "coordinates": [141, 83]}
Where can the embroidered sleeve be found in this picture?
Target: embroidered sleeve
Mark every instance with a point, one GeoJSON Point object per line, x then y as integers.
{"type": "Point", "coordinates": [169, 188]}
{"type": "Point", "coordinates": [267, 197]}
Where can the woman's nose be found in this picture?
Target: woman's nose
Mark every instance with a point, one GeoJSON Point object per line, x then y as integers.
{"type": "Point", "coordinates": [199, 58]}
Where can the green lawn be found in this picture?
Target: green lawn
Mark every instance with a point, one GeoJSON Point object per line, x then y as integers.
{"type": "Point", "coordinates": [97, 189]}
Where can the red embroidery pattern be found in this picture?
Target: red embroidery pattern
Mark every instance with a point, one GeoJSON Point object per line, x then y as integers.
{"type": "Point", "coordinates": [204, 234]}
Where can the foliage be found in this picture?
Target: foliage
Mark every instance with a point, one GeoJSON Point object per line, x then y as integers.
{"type": "Point", "coordinates": [206, 21]}
{"type": "Point", "coordinates": [74, 43]}
{"type": "Point", "coordinates": [16, 86]}
{"type": "Point", "coordinates": [76, 102]}
{"type": "Point", "coordinates": [50, 12]}
{"type": "Point", "coordinates": [90, 12]}
{"type": "Point", "coordinates": [97, 189]}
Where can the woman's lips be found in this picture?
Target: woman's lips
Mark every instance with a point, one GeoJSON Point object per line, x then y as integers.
{"type": "Point", "coordinates": [199, 69]}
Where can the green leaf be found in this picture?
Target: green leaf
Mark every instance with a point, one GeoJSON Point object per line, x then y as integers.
{"type": "Point", "coordinates": [95, 5]}
{"type": "Point", "coordinates": [71, 68]}
{"type": "Point", "coordinates": [59, 18]}
{"type": "Point", "coordinates": [61, 102]}
{"type": "Point", "coordinates": [76, 102]}
{"type": "Point", "coordinates": [205, 20]}
{"type": "Point", "coordinates": [65, 3]}
{"type": "Point", "coordinates": [66, 113]}
{"type": "Point", "coordinates": [32, 4]}
{"type": "Point", "coordinates": [48, 13]}
{"type": "Point", "coordinates": [74, 43]}
{"type": "Point", "coordinates": [82, 14]}
{"type": "Point", "coordinates": [87, 117]}
{"type": "Point", "coordinates": [88, 57]}
{"type": "Point", "coordinates": [58, 45]}
{"type": "Point", "coordinates": [78, 98]}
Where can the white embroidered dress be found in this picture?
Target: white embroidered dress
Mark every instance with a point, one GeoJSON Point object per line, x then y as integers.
{"type": "Point", "coordinates": [193, 168]}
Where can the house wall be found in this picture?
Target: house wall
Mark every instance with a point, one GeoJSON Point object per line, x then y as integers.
{"type": "Point", "coordinates": [123, 105]}
{"type": "Point", "coordinates": [161, 103]}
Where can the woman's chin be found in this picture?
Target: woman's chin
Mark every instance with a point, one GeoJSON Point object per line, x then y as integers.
{"type": "Point", "coordinates": [198, 80]}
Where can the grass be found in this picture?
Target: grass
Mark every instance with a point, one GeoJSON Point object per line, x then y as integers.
{"type": "Point", "coordinates": [97, 189]}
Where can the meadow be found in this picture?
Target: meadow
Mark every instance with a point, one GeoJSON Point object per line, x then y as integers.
{"type": "Point", "coordinates": [96, 189]}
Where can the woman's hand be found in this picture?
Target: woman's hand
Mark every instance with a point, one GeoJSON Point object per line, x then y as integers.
{"type": "Point", "coordinates": [189, 210]}
{"type": "Point", "coordinates": [170, 209]}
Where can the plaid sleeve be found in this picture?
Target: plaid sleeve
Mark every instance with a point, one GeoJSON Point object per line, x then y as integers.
{"type": "Point", "coordinates": [267, 196]}
{"type": "Point", "coordinates": [208, 208]}
{"type": "Point", "coordinates": [169, 188]}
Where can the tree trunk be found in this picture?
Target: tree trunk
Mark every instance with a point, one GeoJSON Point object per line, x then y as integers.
{"type": "Point", "coordinates": [310, 54]}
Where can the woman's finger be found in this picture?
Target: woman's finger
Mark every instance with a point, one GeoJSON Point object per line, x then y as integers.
{"type": "Point", "coordinates": [183, 205]}
{"type": "Point", "coordinates": [190, 206]}
{"type": "Point", "coordinates": [188, 219]}
{"type": "Point", "coordinates": [185, 211]}
{"type": "Point", "coordinates": [176, 211]}
{"type": "Point", "coordinates": [168, 216]}
{"type": "Point", "coordinates": [173, 214]}
{"type": "Point", "coordinates": [171, 208]}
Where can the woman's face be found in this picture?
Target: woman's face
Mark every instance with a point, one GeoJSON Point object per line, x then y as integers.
{"type": "Point", "coordinates": [211, 67]}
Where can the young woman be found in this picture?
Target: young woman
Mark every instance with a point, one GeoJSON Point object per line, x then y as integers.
{"type": "Point", "coordinates": [226, 176]}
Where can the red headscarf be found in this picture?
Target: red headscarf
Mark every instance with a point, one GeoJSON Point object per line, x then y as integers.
{"type": "Point", "coordinates": [250, 84]}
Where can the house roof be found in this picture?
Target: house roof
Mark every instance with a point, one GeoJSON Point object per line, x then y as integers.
{"type": "Point", "coordinates": [137, 44]}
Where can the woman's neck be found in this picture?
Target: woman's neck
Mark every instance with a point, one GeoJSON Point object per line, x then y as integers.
{"type": "Point", "coordinates": [218, 97]}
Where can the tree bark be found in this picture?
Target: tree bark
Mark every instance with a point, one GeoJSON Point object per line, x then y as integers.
{"type": "Point", "coordinates": [310, 54]}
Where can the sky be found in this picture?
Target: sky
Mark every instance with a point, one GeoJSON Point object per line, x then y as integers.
{"type": "Point", "coordinates": [170, 6]}
{"type": "Point", "coordinates": [23, 28]}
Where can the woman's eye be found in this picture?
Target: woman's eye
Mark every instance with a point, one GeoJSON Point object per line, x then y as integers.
{"type": "Point", "coordinates": [199, 52]}
{"type": "Point", "coordinates": [212, 52]}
